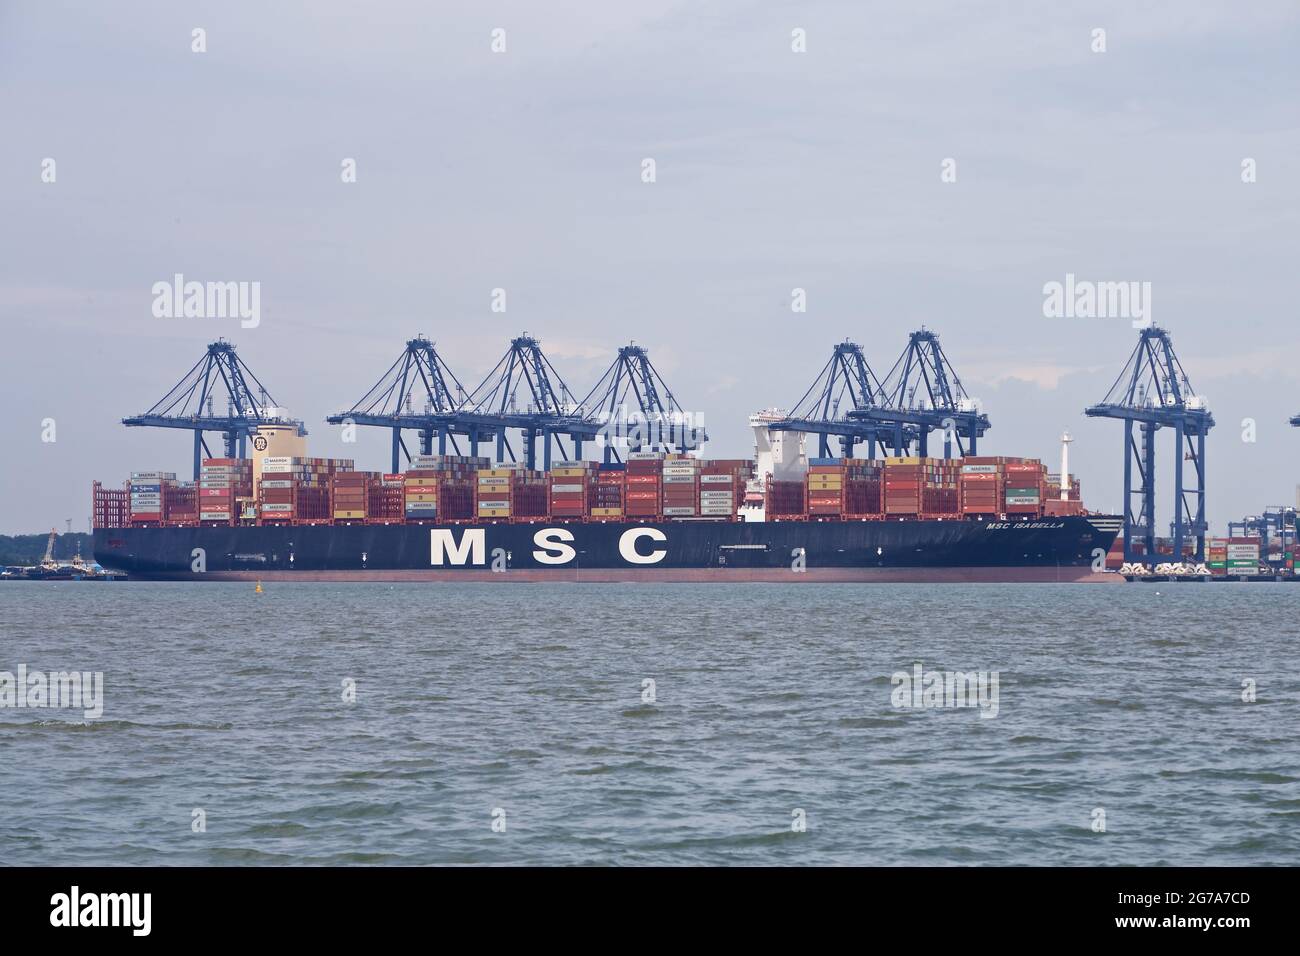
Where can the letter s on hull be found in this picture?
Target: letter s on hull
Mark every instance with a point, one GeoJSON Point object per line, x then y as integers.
{"type": "Point", "coordinates": [627, 546]}
{"type": "Point", "coordinates": [557, 552]}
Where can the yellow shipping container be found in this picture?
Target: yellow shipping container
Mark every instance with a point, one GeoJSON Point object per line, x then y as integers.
{"type": "Point", "coordinates": [411, 497]}
{"type": "Point", "coordinates": [421, 482]}
{"type": "Point", "coordinates": [607, 512]}
{"type": "Point", "coordinates": [496, 472]}
{"type": "Point", "coordinates": [904, 461]}
{"type": "Point", "coordinates": [349, 514]}
{"type": "Point", "coordinates": [569, 472]}
{"type": "Point", "coordinates": [494, 512]}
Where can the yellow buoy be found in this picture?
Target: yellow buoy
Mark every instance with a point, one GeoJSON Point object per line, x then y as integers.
{"type": "Point", "coordinates": [258, 589]}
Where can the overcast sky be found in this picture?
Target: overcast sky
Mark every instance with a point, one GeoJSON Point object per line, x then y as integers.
{"type": "Point", "coordinates": [522, 170]}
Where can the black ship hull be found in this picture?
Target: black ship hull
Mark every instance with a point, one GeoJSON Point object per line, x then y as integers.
{"type": "Point", "coordinates": [1044, 549]}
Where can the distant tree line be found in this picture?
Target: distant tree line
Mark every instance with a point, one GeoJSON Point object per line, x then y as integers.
{"type": "Point", "coordinates": [28, 549]}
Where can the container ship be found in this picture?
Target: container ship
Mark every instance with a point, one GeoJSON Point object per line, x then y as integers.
{"type": "Point", "coordinates": [657, 516]}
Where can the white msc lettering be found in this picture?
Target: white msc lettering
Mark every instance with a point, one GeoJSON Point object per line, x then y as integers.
{"type": "Point", "coordinates": [442, 545]}
{"type": "Point", "coordinates": [557, 552]}
{"type": "Point", "coordinates": [627, 546]}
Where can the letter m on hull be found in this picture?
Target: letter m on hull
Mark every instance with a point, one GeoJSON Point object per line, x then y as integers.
{"type": "Point", "coordinates": [443, 548]}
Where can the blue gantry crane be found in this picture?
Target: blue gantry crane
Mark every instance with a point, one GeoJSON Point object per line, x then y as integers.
{"type": "Point", "coordinates": [846, 385]}
{"type": "Point", "coordinates": [631, 404]}
{"type": "Point", "coordinates": [922, 393]}
{"type": "Point", "coordinates": [219, 375]}
{"type": "Point", "coordinates": [1153, 392]}
{"type": "Point", "coordinates": [420, 393]}
{"type": "Point", "coordinates": [548, 412]}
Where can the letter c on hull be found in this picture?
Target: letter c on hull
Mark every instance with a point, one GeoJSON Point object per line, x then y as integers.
{"type": "Point", "coordinates": [627, 546]}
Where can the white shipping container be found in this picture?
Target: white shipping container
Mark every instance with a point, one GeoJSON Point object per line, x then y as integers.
{"type": "Point", "coordinates": [266, 508]}
{"type": "Point", "coordinates": [715, 479]}
{"type": "Point", "coordinates": [494, 504]}
{"type": "Point", "coordinates": [567, 488]}
{"type": "Point", "coordinates": [678, 512]}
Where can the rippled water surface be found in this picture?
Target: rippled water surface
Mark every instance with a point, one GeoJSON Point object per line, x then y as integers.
{"type": "Point", "coordinates": [528, 699]}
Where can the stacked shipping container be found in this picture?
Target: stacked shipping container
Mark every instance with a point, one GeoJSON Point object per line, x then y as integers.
{"type": "Point", "coordinates": [385, 500]}
{"type": "Point", "coordinates": [915, 486]}
{"type": "Point", "coordinates": [224, 485]}
{"type": "Point", "coordinates": [680, 485]}
{"type": "Point", "coordinates": [570, 485]}
{"type": "Point", "coordinates": [843, 486]}
{"type": "Point", "coordinates": [1026, 485]}
{"type": "Point", "coordinates": [350, 494]}
{"type": "Point", "coordinates": [441, 487]}
{"type": "Point", "coordinates": [146, 494]}
{"type": "Point", "coordinates": [651, 485]}
{"type": "Point", "coordinates": [722, 486]}
{"type": "Point", "coordinates": [607, 492]}
{"type": "Point", "coordinates": [509, 490]}
{"type": "Point", "coordinates": [642, 484]}
{"type": "Point", "coordinates": [297, 489]}
{"type": "Point", "coordinates": [785, 499]}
